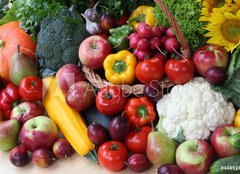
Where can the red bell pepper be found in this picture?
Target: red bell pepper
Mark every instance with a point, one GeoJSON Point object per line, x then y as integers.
{"type": "Point", "coordinates": [9, 98]}
{"type": "Point", "coordinates": [140, 111]}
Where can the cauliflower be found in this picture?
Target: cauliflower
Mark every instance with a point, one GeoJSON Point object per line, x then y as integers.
{"type": "Point", "coordinates": [193, 110]}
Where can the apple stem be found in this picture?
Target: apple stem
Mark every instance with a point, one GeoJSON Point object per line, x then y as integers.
{"type": "Point", "coordinates": [18, 49]}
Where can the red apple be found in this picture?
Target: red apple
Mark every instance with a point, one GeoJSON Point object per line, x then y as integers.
{"type": "Point", "coordinates": [38, 132]}
{"type": "Point", "coordinates": [25, 111]}
{"type": "Point", "coordinates": [93, 50]}
{"type": "Point", "coordinates": [80, 96]}
{"type": "Point", "coordinates": [220, 140]}
{"type": "Point", "coordinates": [69, 74]}
{"type": "Point", "coordinates": [42, 158]}
{"type": "Point", "coordinates": [194, 156]}
{"type": "Point", "coordinates": [208, 56]}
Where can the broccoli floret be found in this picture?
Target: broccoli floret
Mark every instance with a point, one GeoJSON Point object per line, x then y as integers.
{"type": "Point", "coordinates": [58, 41]}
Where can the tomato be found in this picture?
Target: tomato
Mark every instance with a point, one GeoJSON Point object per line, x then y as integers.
{"type": "Point", "coordinates": [110, 100]}
{"type": "Point", "coordinates": [149, 70]}
{"type": "Point", "coordinates": [179, 71]}
{"type": "Point", "coordinates": [30, 88]}
{"type": "Point", "coordinates": [136, 140]}
{"type": "Point", "coordinates": [112, 155]}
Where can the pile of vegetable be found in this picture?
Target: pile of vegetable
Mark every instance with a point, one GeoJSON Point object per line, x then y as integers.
{"type": "Point", "coordinates": [76, 67]}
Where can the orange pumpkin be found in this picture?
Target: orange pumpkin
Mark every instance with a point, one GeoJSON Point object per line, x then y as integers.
{"type": "Point", "coordinates": [12, 35]}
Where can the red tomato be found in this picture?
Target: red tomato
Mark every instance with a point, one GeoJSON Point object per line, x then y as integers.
{"type": "Point", "coordinates": [179, 71]}
{"type": "Point", "coordinates": [110, 100]}
{"type": "Point", "coordinates": [136, 140]}
{"type": "Point", "coordinates": [30, 88]}
{"type": "Point", "coordinates": [113, 155]}
{"type": "Point", "coordinates": [148, 70]}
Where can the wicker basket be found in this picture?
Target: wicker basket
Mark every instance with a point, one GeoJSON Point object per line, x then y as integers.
{"type": "Point", "coordinates": [137, 89]}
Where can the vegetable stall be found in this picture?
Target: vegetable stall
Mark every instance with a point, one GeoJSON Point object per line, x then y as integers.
{"type": "Point", "coordinates": [120, 86]}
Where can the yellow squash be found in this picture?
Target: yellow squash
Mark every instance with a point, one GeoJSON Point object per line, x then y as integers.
{"type": "Point", "coordinates": [68, 120]}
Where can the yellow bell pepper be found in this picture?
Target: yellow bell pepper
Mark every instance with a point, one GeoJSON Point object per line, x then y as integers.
{"type": "Point", "coordinates": [237, 119]}
{"type": "Point", "coordinates": [120, 67]}
{"type": "Point", "coordinates": [143, 13]}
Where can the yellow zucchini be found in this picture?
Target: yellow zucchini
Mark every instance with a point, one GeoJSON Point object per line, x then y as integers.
{"type": "Point", "coordinates": [70, 122]}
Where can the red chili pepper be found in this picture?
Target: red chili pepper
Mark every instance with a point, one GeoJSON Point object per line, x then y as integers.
{"type": "Point", "coordinates": [30, 88]}
{"type": "Point", "coordinates": [140, 111]}
{"type": "Point", "coordinates": [8, 98]}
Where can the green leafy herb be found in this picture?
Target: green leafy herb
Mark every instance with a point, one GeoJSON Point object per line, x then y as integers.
{"type": "Point", "coordinates": [180, 138]}
{"type": "Point", "coordinates": [31, 13]}
{"type": "Point", "coordinates": [118, 8]}
{"type": "Point", "coordinates": [3, 7]}
{"type": "Point", "coordinates": [187, 13]}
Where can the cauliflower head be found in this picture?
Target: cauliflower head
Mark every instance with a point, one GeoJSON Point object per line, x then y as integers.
{"type": "Point", "coordinates": [193, 110]}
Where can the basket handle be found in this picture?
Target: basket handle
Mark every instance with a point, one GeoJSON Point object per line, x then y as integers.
{"type": "Point", "coordinates": [185, 50]}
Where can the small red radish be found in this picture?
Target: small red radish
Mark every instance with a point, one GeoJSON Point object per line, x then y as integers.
{"type": "Point", "coordinates": [171, 32]}
{"type": "Point", "coordinates": [133, 40]}
{"type": "Point", "coordinates": [143, 45]}
{"type": "Point", "coordinates": [135, 52]}
{"type": "Point", "coordinates": [163, 39]}
{"type": "Point", "coordinates": [161, 56]}
{"type": "Point", "coordinates": [162, 29]}
{"type": "Point", "coordinates": [143, 55]}
{"type": "Point", "coordinates": [144, 31]}
{"type": "Point", "coordinates": [171, 45]}
{"type": "Point", "coordinates": [155, 43]}
{"type": "Point", "coordinates": [156, 31]}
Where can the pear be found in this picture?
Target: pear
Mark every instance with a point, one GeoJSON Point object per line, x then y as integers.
{"type": "Point", "coordinates": [160, 149]}
{"type": "Point", "coordinates": [21, 66]}
{"type": "Point", "coordinates": [9, 131]}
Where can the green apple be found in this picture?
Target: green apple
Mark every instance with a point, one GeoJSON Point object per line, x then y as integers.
{"type": "Point", "coordinates": [9, 131]}
{"type": "Point", "coordinates": [194, 156]}
{"type": "Point", "coordinates": [38, 132]}
{"type": "Point", "coordinates": [160, 149]}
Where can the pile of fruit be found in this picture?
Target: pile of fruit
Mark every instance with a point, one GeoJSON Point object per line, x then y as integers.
{"type": "Point", "coordinates": [49, 108]}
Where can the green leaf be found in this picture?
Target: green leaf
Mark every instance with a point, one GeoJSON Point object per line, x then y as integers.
{"type": "Point", "coordinates": [180, 138]}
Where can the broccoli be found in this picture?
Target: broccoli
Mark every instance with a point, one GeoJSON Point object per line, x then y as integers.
{"type": "Point", "coordinates": [58, 40]}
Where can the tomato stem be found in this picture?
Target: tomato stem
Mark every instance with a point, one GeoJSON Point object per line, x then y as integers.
{"type": "Point", "coordinates": [138, 129]}
{"type": "Point", "coordinates": [107, 95]}
{"type": "Point", "coordinates": [114, 147]}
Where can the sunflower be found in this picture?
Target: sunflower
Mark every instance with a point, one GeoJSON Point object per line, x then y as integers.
{"type": "Point", "coordinates": [224, 29]}
{"type": "Point", "coordinates": [219, 5]}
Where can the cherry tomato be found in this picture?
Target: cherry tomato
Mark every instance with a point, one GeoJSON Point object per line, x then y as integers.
{"type": "Point", "coordinates": [136, 140]}
{"type": "Point", "coordinates": [110, 100]}
{"type": "Point", "coordinates": [113, 155]}
{"type": "Point", "coordinates": [179, 71]}
{"type": "Point", "coordinates": [149, 70]}
{"type": "Point", "coordinates": [30, 88]}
